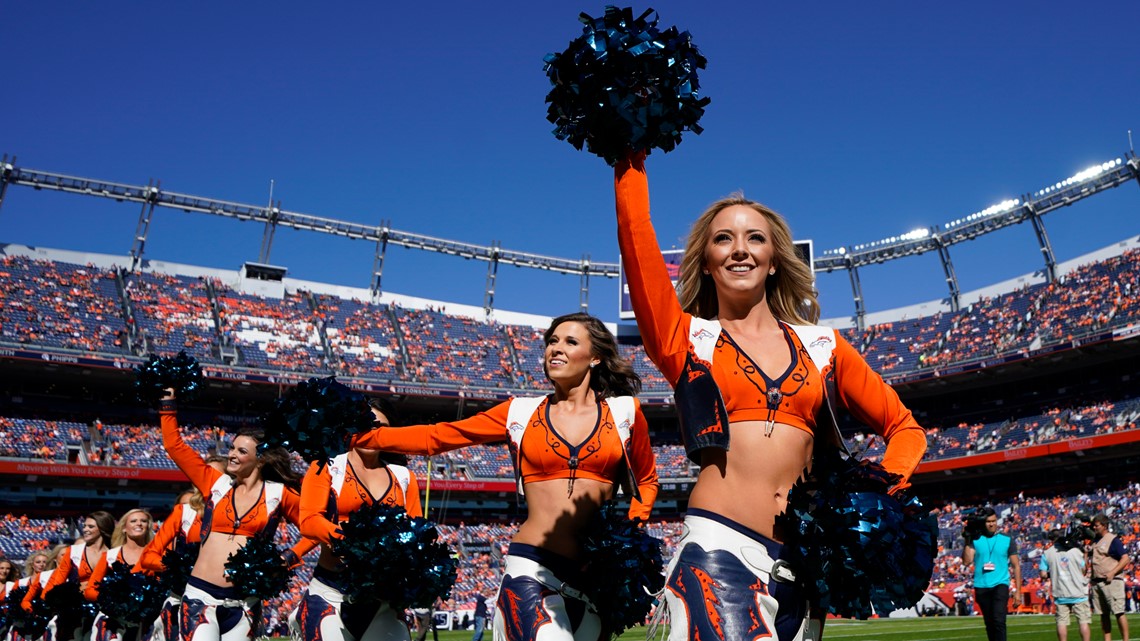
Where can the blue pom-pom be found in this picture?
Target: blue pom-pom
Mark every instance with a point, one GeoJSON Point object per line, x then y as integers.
{"type": "Point", "coordinates": [129, 599]}
{"type": "Point", "coordinates": [625, 85]}
{"type": "Point", "coordinates": [317, 419]}
{"type": "Point", "coordinates": [857, 549]}
{"type": "Point", "coordinates": [392, 557]}
{"type": "Point", "coordinates": [624, 569]}
{"type": "Point", "coordinates": [258, 569]}
{"type": "Point", "coordinates": [32, 624]}
{"type": "Point", "coordinates": [181, 372]}
{"type": "Point", "coordinates": [178, 561]}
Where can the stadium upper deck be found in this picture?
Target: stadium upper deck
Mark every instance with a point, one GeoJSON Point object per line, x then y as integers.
{"type": "Point", "coordinates": [84, 304]}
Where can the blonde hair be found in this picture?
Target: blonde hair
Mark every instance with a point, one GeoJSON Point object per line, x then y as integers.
{"type": "Point", "coordinates": [120, 536]}
{"type": "Point", "coordinates": [790, 291]}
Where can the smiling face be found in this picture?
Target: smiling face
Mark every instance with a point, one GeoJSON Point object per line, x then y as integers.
{"type": "Point", "coordinates": [91, 532]}
{"type": "Point", "coordinates": [40, 562]}
{"type": "Point", "coordinates": [569, 353]}
{"type": "Point", "coordinates": [137, 525]}
{"type": "Point", "coordinates": [739, 255]}
{"type": "Point", "coordinates": [243, 458]}
{"type": "Point", "coordinates": [5, 570]}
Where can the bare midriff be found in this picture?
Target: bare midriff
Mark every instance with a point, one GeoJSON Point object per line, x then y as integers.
{"type": "Point", "coordinates": [749, 484]}
{"type": "Point", "coordinates": [554, 520]}
{"type": "Point", "coordinates": [216, 550]}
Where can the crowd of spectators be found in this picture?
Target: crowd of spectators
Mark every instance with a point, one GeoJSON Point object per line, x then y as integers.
{"type": "Point", "coordinates": [174, 313]}
{"type": "Point", "coordinates": [272, 334]}
{"type": "Point", "coordinates": [47, 303]}
{"type": "Point", "coordinates": [56, 304]}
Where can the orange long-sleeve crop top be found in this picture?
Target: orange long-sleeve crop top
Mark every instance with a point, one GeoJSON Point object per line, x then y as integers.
{"type": "Point", "coordinates": [164, 539]}
{"type": "Point", "coordinates": [67, 569]}
{"type": "Point", "coordinates": [221, 514]}
{"type": "Point", "coordinates": [542, 453]}
{"type": "Point", "coordinates": [796, 396]}
{"type": "Point", "coordinates": [91, 593]}
{"type": "Point", "coordinates": [331, 492]}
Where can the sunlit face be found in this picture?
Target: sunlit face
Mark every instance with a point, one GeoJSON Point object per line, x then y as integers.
{"type": "Point", "coordinates": [1099, 528]}
{"type": "Point", "coordinates": [739, 253]}
{"type": "Point", "coordinates": [569, 353]}
{"type": "Point", "coordinates": [243, 457]}
{"type": "Point", "coordinates": [39, 563]}
{"type": "Point", "coordinates": [137, 525]}
{"type": "Point", "coordinates": [5, 570]}
{"type": "Point", "coordinates": [91, 532]}
{"type": "Point", "coordinates": [379, 420]}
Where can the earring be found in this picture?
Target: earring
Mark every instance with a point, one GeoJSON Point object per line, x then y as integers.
{"type": "Point", "coordinates": [592, 365]}
{"type": "Point", "coordinates": [772, 272]}
{"type": "Point", "coordinates": [705, 272]}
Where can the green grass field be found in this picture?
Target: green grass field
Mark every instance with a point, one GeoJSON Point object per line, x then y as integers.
{"type": "Point", "coordinates": [1026, 627]}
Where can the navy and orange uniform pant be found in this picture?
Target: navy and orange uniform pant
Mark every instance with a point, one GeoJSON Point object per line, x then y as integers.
{"type": "Point", "coordinates": [537, 601]}
{"type": "Point", "coordinates": [324, 615]}
{"type": "Point", "coordinates": [215, 613]}
{"type": "Point", "coordinates": [726, 582]}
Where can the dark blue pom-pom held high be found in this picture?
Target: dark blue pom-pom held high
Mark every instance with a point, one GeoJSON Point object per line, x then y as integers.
{"type": "Point", "coordinates": [625, 85]}
{"type": "Point", "coordinates": [182, 373]}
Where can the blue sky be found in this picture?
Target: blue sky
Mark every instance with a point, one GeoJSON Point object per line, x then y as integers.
{"type": "Point", "coordinates": [857, 121]}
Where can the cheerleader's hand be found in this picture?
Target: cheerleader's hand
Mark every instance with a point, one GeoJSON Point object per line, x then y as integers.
{"type": "Point", "coordinates": [168, 394]}
{"type": "Point", "coordinates": [290, 558]}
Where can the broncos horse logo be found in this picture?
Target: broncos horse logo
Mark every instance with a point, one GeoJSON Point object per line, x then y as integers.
{"type": "Point", "coordinates": [522, 620]}
{"type": "Point", "coordinates": [718, 605]}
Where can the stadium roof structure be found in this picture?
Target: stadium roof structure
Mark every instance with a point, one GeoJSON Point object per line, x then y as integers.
{"type": "Point", "coordinates": [1031, 207]}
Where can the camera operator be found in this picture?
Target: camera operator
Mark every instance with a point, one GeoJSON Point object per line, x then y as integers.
{"type": "Point", "coordinates": [1063, 563]}
{"type": "Point", "coordinates": [995, 561]}
{"type": "Point", "coordinates": [1108, 561]}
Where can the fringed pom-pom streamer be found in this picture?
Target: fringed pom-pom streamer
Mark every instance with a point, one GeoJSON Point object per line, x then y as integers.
{"type": "Point", "coordinates": [625, 85]}
{"type": "Point", "coordinates": [316, 419]}
{"type": "Point", "coordinates": [129, 599]}
{"type": "Point", "coordinates": [67, 598]}
{"type": "Point", "coordinates": [624, 569]}
{"type": "Point", "coordinates": [181, 372]}
{"type": "Point", "coordinates": [178, 561]}
{"type": "Point", "coordinates": [31, 625]}
{"type": "Point", "coordinates": [389, 556]}
{"type": "Point", "coordinates": [855, 548]}
{"type": "Point", "coordinates": [258, 569]}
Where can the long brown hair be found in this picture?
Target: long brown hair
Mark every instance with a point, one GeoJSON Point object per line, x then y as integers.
{"type": "Point", "coordinates": [276, 464]}
{"type": "Point", "coordinates": [613, 376]}
{"type": "Point", "coordinates": [790, 293]}
{"type": "Point", "coordinates": [105, 523]}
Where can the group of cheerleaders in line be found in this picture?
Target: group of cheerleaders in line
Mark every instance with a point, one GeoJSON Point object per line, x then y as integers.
{"type": "Point", "coordinates": [737, 342]}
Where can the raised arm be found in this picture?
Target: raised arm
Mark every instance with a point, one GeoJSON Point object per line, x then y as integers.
{"type": "Point", "coordinates": [662, 324]}
{"type": "Point", "coordinates": [870, 400]}
{"type": "Point", "coordinates": [426, 440]}
{"type": "Point", "coordinates": [185, 457]}
{"type": "Point", "coordinates": [315, 491]}
{"type": "Point", "coordinates": [644, 465]}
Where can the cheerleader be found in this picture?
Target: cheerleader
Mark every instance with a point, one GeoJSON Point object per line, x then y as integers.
{"type": "Point", "coordinates": [184, 519]}
{"type": "Point", "coordinates": [132, 534]}
{"type": "Point", "coordinates": [74, 570]}
{"type": "Point", "coordinates": [248, 500]}
{"type": "Point", "coordinates": [571, 449]}
{"type": "Point", "coordinates": [330, 493]}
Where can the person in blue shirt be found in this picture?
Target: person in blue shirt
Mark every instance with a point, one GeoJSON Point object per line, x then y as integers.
{"type": "Point", "coordinates": [996, 566]}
